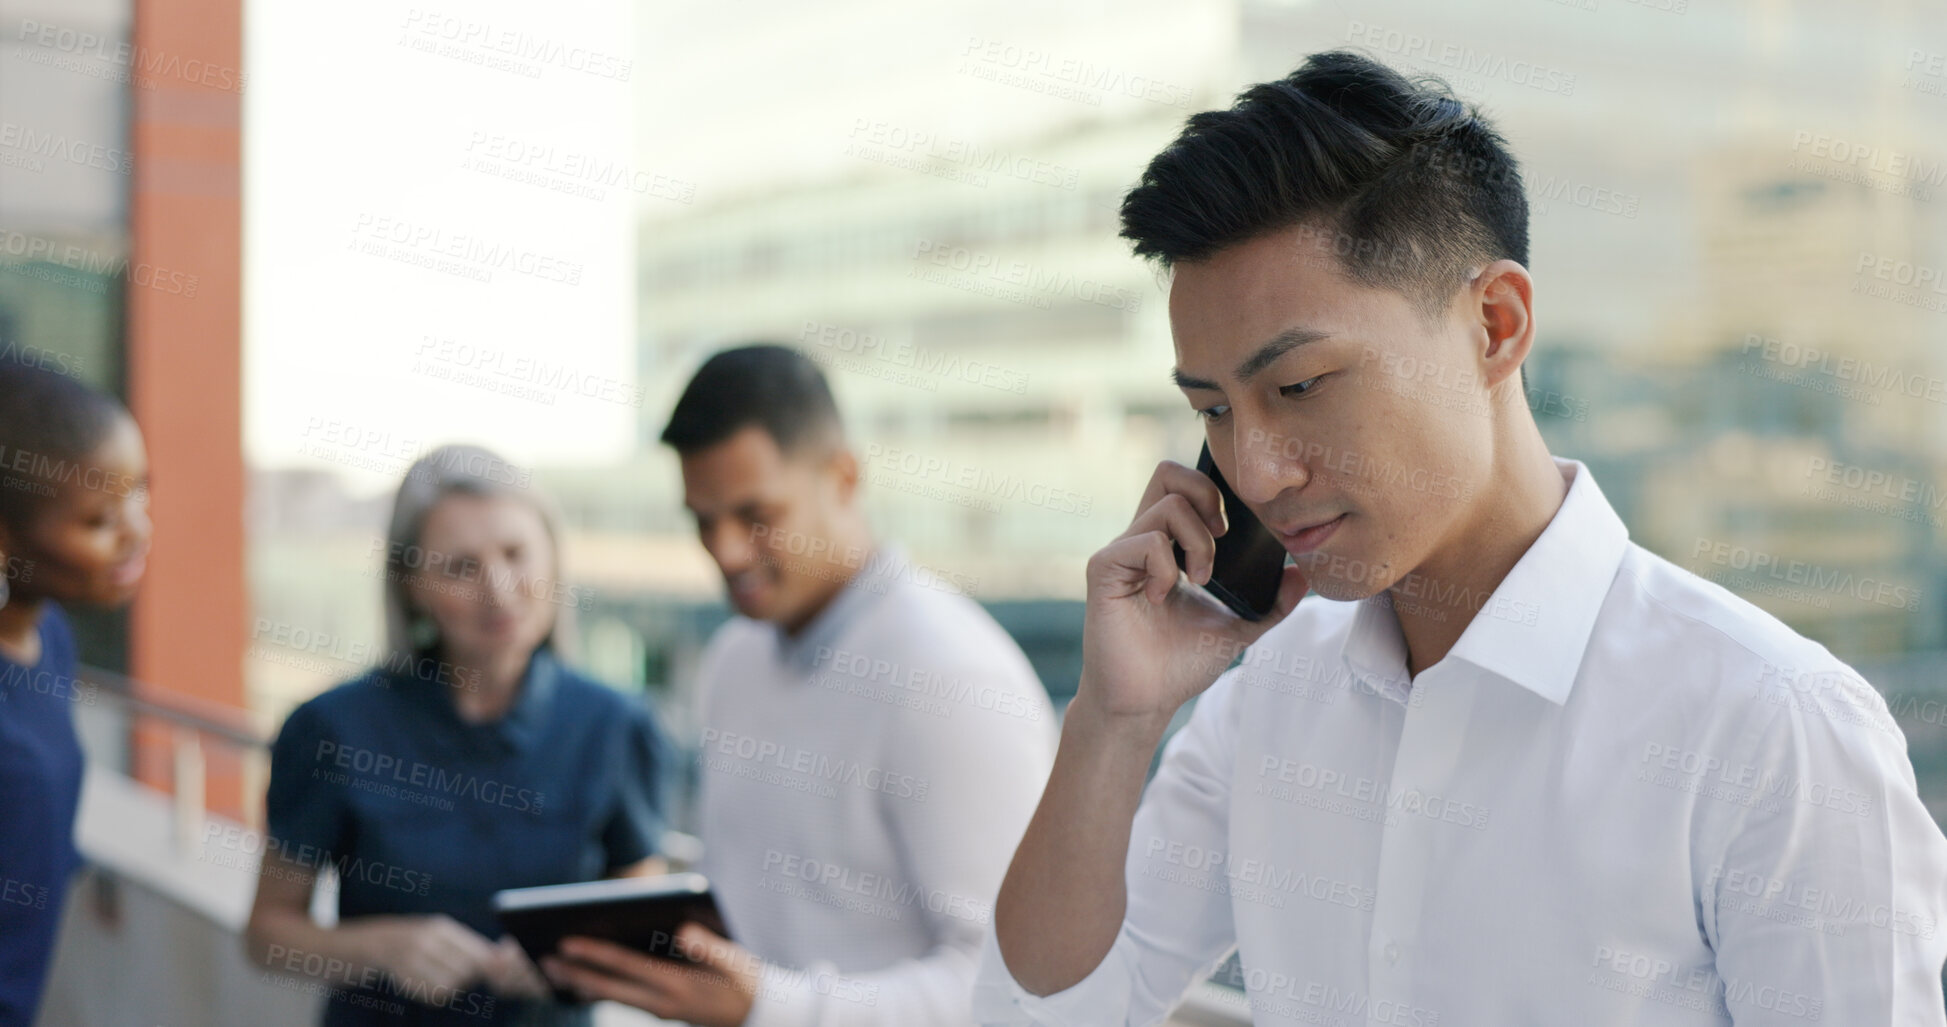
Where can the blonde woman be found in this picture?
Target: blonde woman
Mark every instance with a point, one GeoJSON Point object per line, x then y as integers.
{"type": "Point", "coordinates": [472, 759]}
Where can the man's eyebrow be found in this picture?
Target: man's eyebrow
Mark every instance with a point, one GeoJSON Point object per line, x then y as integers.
{"type": "Point", "coordinates": [1289, 339]}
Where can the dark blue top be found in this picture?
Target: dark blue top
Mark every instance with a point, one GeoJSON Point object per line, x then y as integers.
{"type": "Point", "coordinates": [40, 786]}
{"type": "Point", "coordinates": [421, 812]}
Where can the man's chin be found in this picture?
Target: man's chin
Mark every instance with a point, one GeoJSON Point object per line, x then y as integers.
{"type": "Point", "coordinates": [1348, 589]}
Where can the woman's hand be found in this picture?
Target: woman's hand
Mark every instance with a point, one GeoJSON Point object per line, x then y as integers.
{"type": "Point", "coordinates": [512, 974]}
{"type": "Point", "coordinates": [437, 951]}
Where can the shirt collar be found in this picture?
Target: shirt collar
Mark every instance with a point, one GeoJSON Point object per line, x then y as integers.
{"type": "Point", "coordinates": [883, 565]}
{"type": "Point", "coordinates": [521, 727]}
{"type": "Point", "coordinates": [1536, 625]}
{"type": "Point", "coordinates": [524, 724]}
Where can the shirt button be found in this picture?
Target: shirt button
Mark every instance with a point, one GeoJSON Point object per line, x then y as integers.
{"type": "Point", "coordinates": [1392, 952]}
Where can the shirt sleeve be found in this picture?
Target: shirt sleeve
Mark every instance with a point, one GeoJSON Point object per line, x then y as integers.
{"type": "Point", "coordinates": [974, 780]}
{"type": "Point", "coordinates": [305, 811]}
{"type": "Point", "coordinates": [1177, 926]}
{"type": "Point", "coordinates": [1827, 901]}
{"type": "Point", "coordinates": [634, 830]}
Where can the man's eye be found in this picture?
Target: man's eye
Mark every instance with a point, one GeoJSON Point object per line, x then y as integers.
{"type": "Point", "coordinates": [1215, 413]}
{"type": "Point", "coordinates": [1302, 387]}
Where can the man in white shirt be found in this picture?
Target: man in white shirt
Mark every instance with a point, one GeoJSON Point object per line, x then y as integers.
{"type": "Point", "coordinates": [873, 741]}
{"type": "Point", "coordinates": [1505, 767]}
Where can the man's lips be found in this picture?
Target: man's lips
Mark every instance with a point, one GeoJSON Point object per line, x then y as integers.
{"type": "Point", "coordinates": [1308, 536]}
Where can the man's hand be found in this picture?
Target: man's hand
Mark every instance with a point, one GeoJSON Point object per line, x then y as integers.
{"type": "Point", "coordinates": [437, 950]}
{"type": "Point", "coordinates": [1149, 644]}
{"type": "Point", "coordinates": [717, 991]}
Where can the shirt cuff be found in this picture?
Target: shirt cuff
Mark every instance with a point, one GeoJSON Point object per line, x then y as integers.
{"type": "Point", "coordinates": [785, 997]}
{"type": "Point", "coordinates": [1101, 997]}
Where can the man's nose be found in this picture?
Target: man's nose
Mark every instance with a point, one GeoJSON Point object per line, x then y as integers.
{"type": "Point", "coordinates": [1265, 463]}
{"type": "Point", "coordinates": [732, 546]}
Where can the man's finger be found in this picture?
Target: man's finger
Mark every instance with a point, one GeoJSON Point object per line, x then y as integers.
{"type": "Point", "coordinates": [1192, 485]}
{"type": "Point", "coordinates": [1176, 517]}
{"type": "Point", "coordinates": [711, 949]}
{"type": "Point", "coordinates": [593, 985]}
{"type": "Point", "coordinates": [1291, 588]}
{"type": "Point", "coordinates": [608, 956]}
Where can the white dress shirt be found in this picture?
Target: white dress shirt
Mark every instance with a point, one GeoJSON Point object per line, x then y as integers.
{"type": "Point", "coordinates": [1626, 796]}
{"type": "Point", "coordinates": [864, 785]}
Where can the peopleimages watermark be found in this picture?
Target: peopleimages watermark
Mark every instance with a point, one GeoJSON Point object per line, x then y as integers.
{"type": "Point", "coordinates": [1357, 796]}
{"type": "Point", "coordinates": [39, 147]}
{"type": "Point", "coordinates": [140, 66]}
{"type": "Point", "coordinates": [1693, 986]}
{"type": "Point", "coordinates": [1361, 468]}
{"type": "Point", "coordinates": [1800, 904]}
{"type": "Point", "coordinates": [1012, 281]}
{"type": "Point", "coordinates": [1601, 199]}
{"type": "Point", "coordinates": [44, 474]}
{"type": "Point", "coordinates": [466, 574]}
{"type": "Point", "coordinates": [834, 344]}
{"type": "Point", "coordinates": [426, 784]}
{"type": "Point", "coordinates": [17, 679]}
{"type": "Point", "coordinates": [15, 892]}
{"type": "Point", "coordinates": [340, 977]}
{"type": "Point", "coordinates": [1847, 161]}
{"type": "Point", "coordinates": [1461, 60]}
{"type": "Point", "coordinates": [977, 481]}
{"type": "Point", "coordinates": [1926, 72]}
{"type": "Point", "coordinates": [1835, 693]}
{"type": "Point", "coordinates": [1860, 375]}
{"type": "Point", "coordinates": [804, 769]}
{"type": "Point", "coordinates": [882, 894]}
{"type": "Point", "coordinates": [1902, 281]}
{"type": "Point", "coordinates": [1901, 497]}
{"type": "Point", "coordinates": [91, 266]}
{"type": "Point", "coordinates": [960, 160]}
{"type": "Point", "coordinates": [503, 49]}
{"type": "Point", "coordinates": [517, 375]}
{"type": "Point", "coordinates": [876, 677]}
{"type": "Point", "coordinates": [873, 570]}
{"type": "Point", "coordinates": [1304, 675]}
{"type": "Point", "coordinates": [325, 652]}
{"type": "Point", "coordinates": [460, 254]}
{"type": "Point", "coordinates": [1064, 77]}
{"type": "Point", "coordinates": [570, 172]}
{"type": "Point", "coordinates": [37, 357]}
{"type": "Point", "coordinates": [1699, 773]}
{"type": "Point", "coordinates": [1283, 994]}
{"type": "Point", "coordinates": [365, 447]}
{"type": "Point", "coordinates": [1424, 380]}
{"type": "Point", "coordinates": [1250, 878]}
{"type": "Point", "coordinates": [1808, 576]}
{"type": "Point", "coordinates": [240, 848]}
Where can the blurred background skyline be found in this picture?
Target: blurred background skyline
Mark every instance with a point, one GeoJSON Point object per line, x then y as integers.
{"type": "Point", "coordinates": [310, 243]}
{"type": "Point", "coordinates": [525, 228]}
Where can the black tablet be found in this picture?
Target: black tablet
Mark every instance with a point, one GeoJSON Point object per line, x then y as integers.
{"type": "Point", "coordinates": [641, 913]}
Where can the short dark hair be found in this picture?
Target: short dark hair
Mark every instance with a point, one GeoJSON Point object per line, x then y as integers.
{"type": "Point", "coordinates": [1411, 185]}
{"type": "Point", "coordinates": [774, 387]}
{"type": "Point", "coordinates": [49, 422]}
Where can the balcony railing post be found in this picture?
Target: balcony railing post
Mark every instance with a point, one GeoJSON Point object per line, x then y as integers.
{"type": "Point", "coordinates": [189, 794]}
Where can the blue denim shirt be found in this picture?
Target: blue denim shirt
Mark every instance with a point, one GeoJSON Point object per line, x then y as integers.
{"type": "Point", "coordinates": [421, 812]}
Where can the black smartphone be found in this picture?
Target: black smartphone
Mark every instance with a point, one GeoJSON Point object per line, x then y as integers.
{"type": "Point", "coordinates": [1250, 560]}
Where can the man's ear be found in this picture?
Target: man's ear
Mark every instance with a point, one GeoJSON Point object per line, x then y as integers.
{"type": "Point", "coordinates": [844, 465]}
{"type": "Point", "coordinates": [1502, 297]}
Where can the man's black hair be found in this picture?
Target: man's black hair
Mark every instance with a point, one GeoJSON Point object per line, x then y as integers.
{"type": "Point", "coordinates": [1405, 184]}
{"type": "Point", "coordinates": [49, 422]}
{"type": "Point", "coordinates": [774, 387]}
